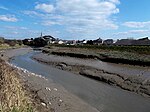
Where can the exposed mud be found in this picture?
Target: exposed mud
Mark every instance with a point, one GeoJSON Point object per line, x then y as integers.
{"type": "Point", "coordinates": [135, 83]}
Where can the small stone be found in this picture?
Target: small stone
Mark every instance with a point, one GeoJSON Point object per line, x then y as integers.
{"type": "Point", "coordinates": [43, 104]}
{"type": "Point", "coordinates": [47, 88]}
{"type": "Point", "coordinates": [55, 89]}
{"type": "Point", "coordinates": [32, 73]}
{"type": "Point", "coordinates": [49, 103]}
{"type": "Point", "coordinates": [60, 100]}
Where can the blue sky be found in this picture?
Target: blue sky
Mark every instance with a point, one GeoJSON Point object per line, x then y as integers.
{"type": "Point", "coordinates": [75, 19]}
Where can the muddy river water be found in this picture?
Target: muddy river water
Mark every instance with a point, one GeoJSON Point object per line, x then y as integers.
{"type": "Point", "coordinates": [104, 97]}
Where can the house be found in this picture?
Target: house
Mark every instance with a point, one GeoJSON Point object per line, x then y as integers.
{"type": "Point", "coordinates": [70, 42]}
{"type": "Point", "coordinates": [124, 42]}
{"type": "Point", "coordinates": [97, 41]}
{"type": "Point", "coordinates": [49, 39]}
{"type": "Point", "coordinates": [81, 42]}
{"type": "Point", "coordinates": [108, 42]}
{"type": "Point", "coordinates": [60, 42]}
{"type": "Point", "coordinates": [142, 41]}
{"type": "Point", "coordinates": [84, 41]}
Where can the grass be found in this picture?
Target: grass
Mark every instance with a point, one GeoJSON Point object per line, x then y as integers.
{"type": "Point", "coordinates": [134, 55]}
{"type": "Point", "coordinates": [13, 97]}
{"type": "Point", "coordinates": [6, 46]}
{"type": "Point", "coordinates": [126, 55]}
{"type": "Point", "coordinates": [133, 49]}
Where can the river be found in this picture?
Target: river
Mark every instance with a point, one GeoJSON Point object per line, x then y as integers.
{"type": "Point", "coordinates": [104, 97]}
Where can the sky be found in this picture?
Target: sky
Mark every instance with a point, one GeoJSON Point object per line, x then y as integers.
{"type": "Point", "coordinates": [75, 19]}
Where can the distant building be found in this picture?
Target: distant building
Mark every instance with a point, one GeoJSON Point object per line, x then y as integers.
{"type": "Point", "coordinates": [124, 42]}
{"type": "Point", "coordinates": [70, 42]}
{"type": "Point", "coordinates": [58, 42]}
{"type": "Point", "coordinates": [49, 39]}
{"type": "Point", "coordinates": [98, 41]}
{"type": "Point", "coordinates": [81, 42]}
{"type": "Point", "coordinates": [142, 41]}
{"type": "Point", "coordinates": [108, 42]}
{"type": "Point", "coordinates": [84, 41]}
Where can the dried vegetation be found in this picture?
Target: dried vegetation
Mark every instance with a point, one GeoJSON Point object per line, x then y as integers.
{"type": "Point", "coordinates": [13, 97]}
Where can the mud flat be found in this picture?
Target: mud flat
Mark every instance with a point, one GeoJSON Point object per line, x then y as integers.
{"type": "Point", "coordinates": [131, 78]}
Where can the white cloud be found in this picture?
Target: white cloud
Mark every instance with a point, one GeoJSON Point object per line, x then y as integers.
{"type": "Point", "coordinates": [4, 8]}
{"type": "Point", "coordinates": [18, 32]}
{"type": "Point", "coordinates": [86, 13]}
{"type": "Point", "coordinates": [48, 8]}
{"type": "Point", "coordinates": [49, 23]}
{"type": "Point", "coordinates": [8, 18]}
{"type": "Point", "coordinates": [15, 32]}
{"type": "Point", "coordinates": [115, 1]}
{"type": "Point", "coordinates": [31, 13]}
{"type": "Point", "coordinates": [132, 33]}
{"type": "Point", "coordinates": [137, 24]}
{"type": "Point", "coordinates": [82, 16]}
{"type": "Point", "coordinates": [15, 28]}
{"type": "Point", "coordinates": [80, 13]}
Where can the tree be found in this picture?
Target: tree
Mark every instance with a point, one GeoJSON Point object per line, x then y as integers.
{"type": "Point", "coordinates": [90, 42]}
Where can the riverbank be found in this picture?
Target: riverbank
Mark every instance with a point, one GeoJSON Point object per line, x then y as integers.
{"type": "Point", "coordinates": [10, 53]}
{"type": "Point", "coordinates": [129, 78]}
{"type": "Point", "coordinates": [13, 96]}
{"type": "Point", "coordinates": [49, 97]}
{"type": "Point", "coordinates": [114, 54]}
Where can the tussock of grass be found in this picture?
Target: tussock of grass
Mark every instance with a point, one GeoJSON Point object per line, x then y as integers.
{"type": "Point", "coordinates": [4, 46]}
{"type": "Point", "coordinates": [13, 97]}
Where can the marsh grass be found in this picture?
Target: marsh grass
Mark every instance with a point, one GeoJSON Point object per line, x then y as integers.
{"type": "Point", "coordinates": [132, 49]}
{"type": "Point", "coordinates": [4, 46]}
{"type": "Point", "coordinates": [126, 55]}
{"type": "Point", "coordinates": [133, 55]}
